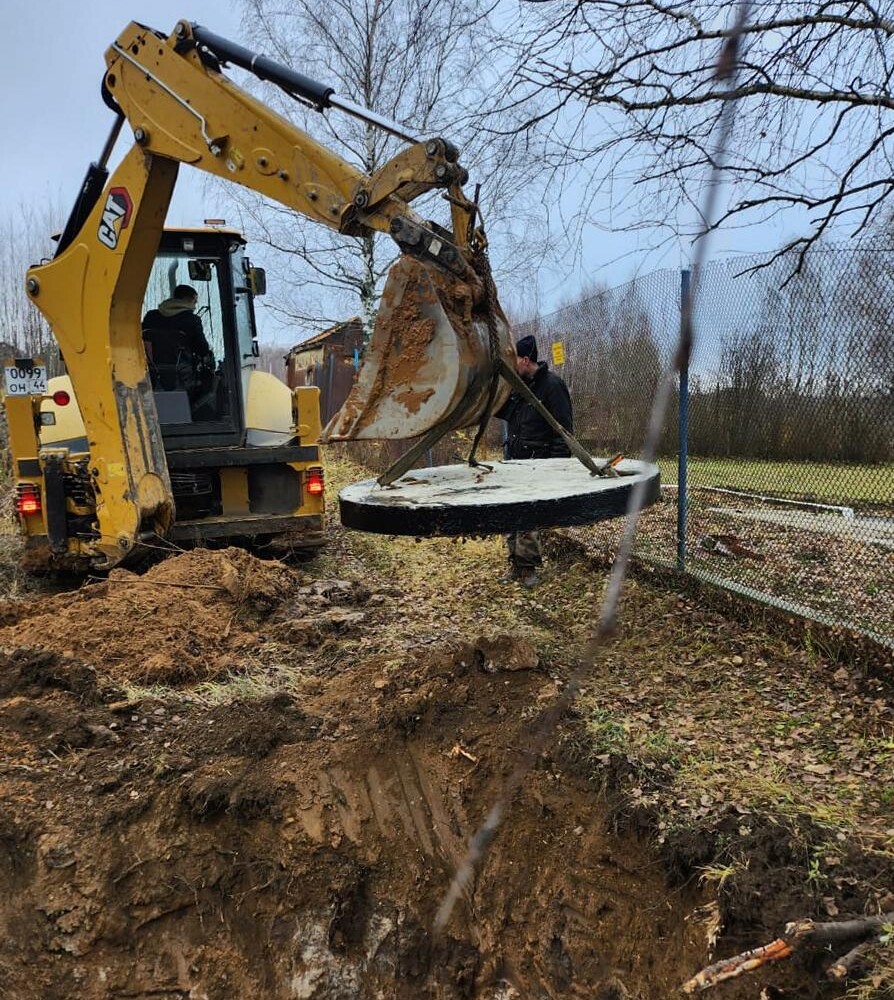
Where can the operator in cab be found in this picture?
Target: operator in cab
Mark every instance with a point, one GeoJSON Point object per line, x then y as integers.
{"type": "Point", "coordinates": [176, 345]}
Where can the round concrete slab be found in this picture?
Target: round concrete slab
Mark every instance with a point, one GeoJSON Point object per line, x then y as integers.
{"type": "Point", "coordinates": [504, 497]}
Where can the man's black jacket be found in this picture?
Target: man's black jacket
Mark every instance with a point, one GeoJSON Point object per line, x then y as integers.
{"type": "Point", "coordinates": [530, 436]}
{"type": "Point", "coordinates": [169, 335]}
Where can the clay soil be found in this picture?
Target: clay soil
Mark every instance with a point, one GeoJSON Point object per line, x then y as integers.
{"type": "Point", "coordinates": [227, 777]}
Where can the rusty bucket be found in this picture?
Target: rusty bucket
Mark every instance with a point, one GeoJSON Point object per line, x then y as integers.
{"type": "Point", "coordinates": [429, 361]}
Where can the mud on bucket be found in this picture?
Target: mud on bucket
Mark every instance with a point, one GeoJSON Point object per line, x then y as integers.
{"type": "Point", "coordinates": [428, 362]}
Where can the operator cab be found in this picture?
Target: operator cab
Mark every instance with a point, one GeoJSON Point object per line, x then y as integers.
{"type": "Point", "coordinates": [199, 358]}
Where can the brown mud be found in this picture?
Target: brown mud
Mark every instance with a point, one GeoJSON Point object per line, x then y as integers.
{"type": "Point", "coordinates": [187, 619]}
{"type": "Point", "coordinates": [245, 852]}
{"type": "Point", "coordinates": [297, 844]}
{"type": "Point", "coordinates": [426, 316]}
{"type": "Point", "coordinates": [399, 347]}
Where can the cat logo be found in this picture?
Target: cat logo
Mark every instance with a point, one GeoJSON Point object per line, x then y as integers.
{"type": "Point", "coordinates": [115, 217]}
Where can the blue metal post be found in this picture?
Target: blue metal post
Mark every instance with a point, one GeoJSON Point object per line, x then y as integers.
{"type": "Point", "coordinates": [683, 434]}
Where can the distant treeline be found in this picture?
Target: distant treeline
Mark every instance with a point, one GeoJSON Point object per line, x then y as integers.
{"type": "Point", "coordinates": [802, 370]}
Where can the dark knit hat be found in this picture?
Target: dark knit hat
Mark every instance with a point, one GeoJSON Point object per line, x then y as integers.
{"type": "Point", "coordinates": [526, 348]}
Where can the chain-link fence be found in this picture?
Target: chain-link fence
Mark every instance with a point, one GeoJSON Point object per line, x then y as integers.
{"type": "Point", "coordinates": [778, 458]}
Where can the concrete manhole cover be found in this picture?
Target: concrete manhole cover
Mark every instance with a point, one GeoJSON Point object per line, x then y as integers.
{"type": "Point", "coordinates": [502, 497]}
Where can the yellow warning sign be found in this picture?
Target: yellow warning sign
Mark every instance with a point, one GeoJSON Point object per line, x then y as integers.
{"type": "Point", "coordinates": [558, 352]}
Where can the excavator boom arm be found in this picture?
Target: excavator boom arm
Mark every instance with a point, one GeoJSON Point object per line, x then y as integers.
{"type": "Point", "coordinates": [182, 107]}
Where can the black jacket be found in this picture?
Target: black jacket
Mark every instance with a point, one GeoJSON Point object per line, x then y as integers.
{"type": "Point", "coordinates": [169, 335]}
{"type": "Point", "coordinates": [530, 436]}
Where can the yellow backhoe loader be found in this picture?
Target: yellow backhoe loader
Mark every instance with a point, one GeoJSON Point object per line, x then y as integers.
{"type": "Point", "coordinates": [139, 442]}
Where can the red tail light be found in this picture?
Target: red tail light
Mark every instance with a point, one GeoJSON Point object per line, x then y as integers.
{"type": "Point", "coordinates": [28, 499]}
{"type": "Point", "coordinates": [61, 397]}
{"type": "Point", "coordinates": [315, 482]}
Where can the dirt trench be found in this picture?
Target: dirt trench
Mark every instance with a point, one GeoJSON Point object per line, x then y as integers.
{"type": "Point", "coordinates": [297, 845]}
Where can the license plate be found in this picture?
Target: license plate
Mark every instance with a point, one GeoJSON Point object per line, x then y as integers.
{"type": "Point", "coordinates": [25, 380]}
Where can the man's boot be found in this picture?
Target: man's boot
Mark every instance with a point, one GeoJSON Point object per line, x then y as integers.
{"type": "Point", "coordinates": [529, 578]}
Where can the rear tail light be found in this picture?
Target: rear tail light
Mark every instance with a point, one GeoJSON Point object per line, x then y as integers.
{"type": "Point", "coordinates": [28, 499]}
{"type": "Point", "coordinates": [314, 482]}
{"type": "Point", "coordinates": [61, 397]}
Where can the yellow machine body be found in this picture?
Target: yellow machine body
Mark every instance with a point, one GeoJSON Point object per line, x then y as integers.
{"type": "Point", "coordinates": [256, 475]}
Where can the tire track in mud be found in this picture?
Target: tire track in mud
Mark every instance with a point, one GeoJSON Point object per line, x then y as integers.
{"type": "Point", "coordinates": [561, 908]}
{"type": "Point", "coordinates": [313, 867]}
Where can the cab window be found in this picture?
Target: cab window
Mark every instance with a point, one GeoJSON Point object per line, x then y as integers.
{"type": "Point", "coordinates": [186, 348]}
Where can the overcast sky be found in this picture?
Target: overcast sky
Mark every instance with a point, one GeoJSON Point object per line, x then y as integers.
{"type": "Point", "coordinates": [51, 65]}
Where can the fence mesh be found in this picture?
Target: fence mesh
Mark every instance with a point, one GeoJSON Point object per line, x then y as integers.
{"type": "Point", "coordinates": [788, 424]}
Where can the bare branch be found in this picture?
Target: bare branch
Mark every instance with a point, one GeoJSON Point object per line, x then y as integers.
{"type": "Point", "coordinates": [422, 62]}
{"type": "Point", "coordinates": [621, 92]}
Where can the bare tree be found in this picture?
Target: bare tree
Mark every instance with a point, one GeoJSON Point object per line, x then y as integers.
{"type": "Point", "coordinates": [420, 62]}
{"type": "Point", "coordinates": [24, 239]}
{"type": "Point", "coordinates": [628, 92]}
{"type": "Point", "coordinates": [612, 362]}
{"type": "Point", "coordinates": [797, 313]}
{"type": "Point", "coordinates": [869, 307]}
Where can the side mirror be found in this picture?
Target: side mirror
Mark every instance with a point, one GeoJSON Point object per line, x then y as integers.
{"type": "Point", "coordinates": [199, 270]}
{"type": "Point", "coordinates": [257, 280]}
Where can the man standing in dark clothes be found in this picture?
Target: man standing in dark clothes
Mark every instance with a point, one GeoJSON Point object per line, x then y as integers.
{"type": "Point", "coordinates": [530, 436]}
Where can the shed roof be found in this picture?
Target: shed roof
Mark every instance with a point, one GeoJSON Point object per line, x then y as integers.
{"type": "Point", "coordinates": [318, 339]}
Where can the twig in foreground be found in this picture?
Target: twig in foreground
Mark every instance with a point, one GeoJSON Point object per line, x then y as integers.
{"type": "Point", "coordinates": [796, 935]}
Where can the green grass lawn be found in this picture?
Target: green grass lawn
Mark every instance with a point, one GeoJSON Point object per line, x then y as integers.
{"type": "Point", "coordinates": [824, 481]}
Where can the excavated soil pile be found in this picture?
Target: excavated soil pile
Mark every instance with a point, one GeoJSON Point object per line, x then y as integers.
{"type": "Point", "coordinates": [187, 619]}
{"type": "Point", "coordinates": [298, 846]}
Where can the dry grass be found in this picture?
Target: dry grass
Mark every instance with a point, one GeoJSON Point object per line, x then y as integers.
{"type": "Point", "coordinates": [13, 582]}
{"type": "Point", "coordinates": [717, 713]}
{"type": "Point", "coordinates": [718, 718]}
{"type": "Point", "coordinates": [879, 984]}
{"type": "Point", "coordinates": [695, 717]}
{"type": "Point", "coordinates": [842, 579]}
{"type": "Point", "coordinates": [713, 714]}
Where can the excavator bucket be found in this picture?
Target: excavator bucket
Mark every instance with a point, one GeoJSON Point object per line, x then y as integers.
{"type": "Point", "coordinates": [428, 363]}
